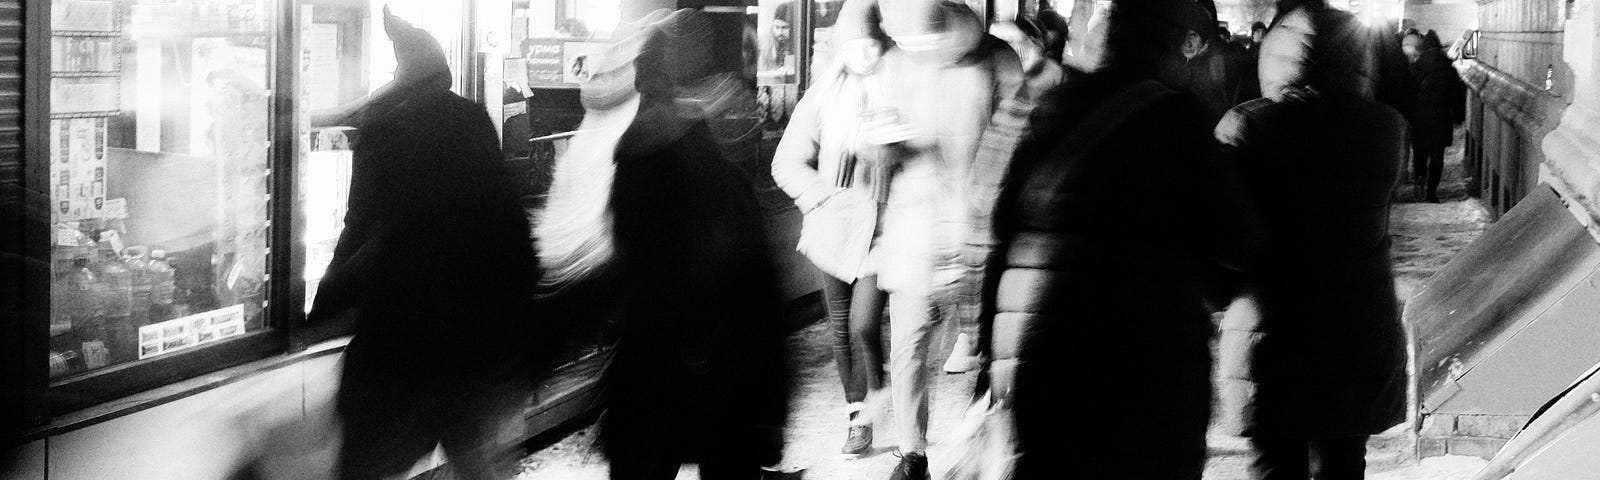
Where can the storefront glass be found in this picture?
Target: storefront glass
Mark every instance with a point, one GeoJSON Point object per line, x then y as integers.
{"type": "Point", "coordinates": [159, 140]}
{"type": "Point", "coordinates": [345, 55]}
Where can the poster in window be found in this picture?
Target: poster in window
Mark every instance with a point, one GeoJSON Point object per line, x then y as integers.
{"type": "Point", "coordinates": [78, 168]}
{"type": "Point", "coordinates": [544, 62]}
{"type": "Point", "coordinates": [83, 95]}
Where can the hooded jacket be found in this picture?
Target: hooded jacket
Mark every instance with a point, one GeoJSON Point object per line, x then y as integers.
{"type": "Point", "coordinates": [1315, 349]}
{"type": "Point", "coordinates": [948, 94]}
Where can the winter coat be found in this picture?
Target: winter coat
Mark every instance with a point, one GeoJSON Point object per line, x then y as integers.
{"type": "Point", "coordinates": [700, 366]}
{"type": "Point", "coordinates": [1213, 76]}
{"type": "Point", "coordinates": [1316, 350]}
{"type": "Point", "coordinates": [1440, 102]}
{"type": "Point", "coordinates": [949, 106]}
{"type": "Point", "coordinates": [435, 268]}
{"type": "Point", "coordinates": [823, 158]}
{"type": "Point", "coordinates": [435, 247]}
{"type": "Point", "coordinates": [1113, 212]}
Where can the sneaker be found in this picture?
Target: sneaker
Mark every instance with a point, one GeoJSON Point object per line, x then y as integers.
{"type": "Point", "coordinates": [962, 359]}
{"type": "Point", "coordinates": [913, 466]}
{"type": "Point", "coordinates": [858, 443]}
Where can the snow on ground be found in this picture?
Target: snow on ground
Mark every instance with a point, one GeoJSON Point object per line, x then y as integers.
{"type": "Point", "coordinates": [1425, 235]}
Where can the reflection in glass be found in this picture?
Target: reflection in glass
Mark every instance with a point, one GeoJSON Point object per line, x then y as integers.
{"type": "Point", "coordinates": [158, 172]}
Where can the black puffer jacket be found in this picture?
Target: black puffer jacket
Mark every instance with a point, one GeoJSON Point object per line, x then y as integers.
{"type": "Point", "coordinates": [1113, 211]}
{"type": "Point", "coordinates": [1315, 349]}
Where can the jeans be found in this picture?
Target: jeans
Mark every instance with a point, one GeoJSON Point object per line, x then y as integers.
{"type": "Point", "coordinates": [911, 321]}
{"type": "Point", "coordinates": [855, 313]}
{"type": "Point", "coordinates": [1279, 458]}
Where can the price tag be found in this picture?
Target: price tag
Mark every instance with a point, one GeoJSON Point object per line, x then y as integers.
{"type": "Point", "coordinates": [66, 234]}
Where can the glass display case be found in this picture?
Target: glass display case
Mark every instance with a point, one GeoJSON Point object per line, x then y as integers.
{"type": "Point", "coordinates": [159, 129]}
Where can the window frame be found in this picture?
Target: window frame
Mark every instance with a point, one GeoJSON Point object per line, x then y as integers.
{"type": "Point", "coordinates": [45, 399]}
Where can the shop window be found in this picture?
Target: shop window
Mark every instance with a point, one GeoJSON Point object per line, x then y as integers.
{"type": "Point", "coordinates": [159, 129]}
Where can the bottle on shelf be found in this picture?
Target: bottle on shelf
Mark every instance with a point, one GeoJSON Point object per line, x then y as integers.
{"type": "Point", "coordinates": [138, 263]}
{"type": "Point", "coordinates": [121, 334]}
{"type": "Point", "coordinates": [162, 276]}
{"type": "Point", "coordinates": [86, 307]}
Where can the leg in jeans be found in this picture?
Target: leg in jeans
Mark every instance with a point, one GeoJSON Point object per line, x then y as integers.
{"type": "Point", "coordinates": [1435, 170]}
{"type": "Point", "coordinates": [1343, 458]}
{"type": "Point", "coordinates": [866, 331]}
{"type": "Point", "coordinates": [910, 322]}
{"type": "Point", "coordinates": [836, 294]}
{"type": "Point", "coordinates": [1278, 458]}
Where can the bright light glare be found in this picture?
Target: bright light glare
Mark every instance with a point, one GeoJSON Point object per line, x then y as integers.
{"type": "Point", "coordinates": [1381, 12]}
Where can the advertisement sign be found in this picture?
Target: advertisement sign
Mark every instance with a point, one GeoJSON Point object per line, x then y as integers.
{"type": "Point", "coordinates": [544, 61]}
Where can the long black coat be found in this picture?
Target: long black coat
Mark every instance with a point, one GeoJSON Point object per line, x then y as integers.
{"type": "Point", "coordinates": [434, 260]}
{"type": "Point", "coordinates": [1440, 102]}
{"type": "Point", "coordinates": [700, 372]}
{"type": "Point", "coordinates": [1095, 289]}
{"type": "Point", "coordinates": [1317, 351]}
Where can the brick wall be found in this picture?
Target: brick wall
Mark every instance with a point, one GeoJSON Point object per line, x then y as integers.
{"type": "Point", "coordinates": [1470, 435]}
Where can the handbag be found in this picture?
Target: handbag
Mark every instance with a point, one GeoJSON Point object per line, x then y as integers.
{"type": "Point", "coordinates": [837, 235]}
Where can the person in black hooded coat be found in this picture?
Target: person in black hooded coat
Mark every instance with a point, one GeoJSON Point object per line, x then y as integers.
{"type": "Point", "coordinates": [1112, 217]}
{"type": "Point", "coordinates": [432, 266]}
{"type": "Point", "coordinates": [700, 373]}
{"type": "Point", "coordinates": [1441, 99]}
{"type": "Point", "coordinates": [1312, 352]}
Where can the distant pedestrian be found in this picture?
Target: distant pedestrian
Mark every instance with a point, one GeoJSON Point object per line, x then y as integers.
{"type": "Point", "coordinates": [1440, 105]}
{"type": "Point", "coordinates": [1312, 353]}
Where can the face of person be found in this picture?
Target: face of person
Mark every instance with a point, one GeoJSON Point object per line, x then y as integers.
{"type": "Point", "coordinates": [1258, 34]}
{"type": "Point", "coordinates": [1193, 44]}
{"type": "Point", "coordinates": [861, 55]}
{"type": "Point", "coordinates": [780, 31]}
{"type": "Point", "coordinates": [1412, 46]}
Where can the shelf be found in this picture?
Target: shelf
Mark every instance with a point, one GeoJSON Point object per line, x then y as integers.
{"type": "Point", "coordinates": [112, 74]}
{"type": "Point", "coordinates": [72, 115]}
{"type": "Point", "coordinates": [85, 33]}
{"type": "Point", "coordinates": [202, 34]}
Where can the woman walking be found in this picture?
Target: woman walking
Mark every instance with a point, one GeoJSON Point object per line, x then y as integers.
{"type": "Point", "coordinates": [837, 178]}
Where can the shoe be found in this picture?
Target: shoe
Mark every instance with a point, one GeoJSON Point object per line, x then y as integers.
{"type": "Point", "coordinates": [913, 466]}
{"type": "Point", "coordinates": [858, 442]}
{"type": "Point", "coordinates": [962, 359]}
{"type": "Point", "coordinates": [1433, 198]}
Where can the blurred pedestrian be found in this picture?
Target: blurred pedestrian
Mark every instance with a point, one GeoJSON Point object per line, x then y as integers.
{"type": "Point", "coordinates": [433, 266]}
{"type": "Point", "coordinates": [1205, 66]}
{"type": "Point", "coordinates": [1440, 105]}
{"type": "Point", "coordinates": [944, 77]}
{"type": "Point", "coordinates": [1086, 292]}
{"type": "Point", "coordinates": [1313, 357]}
{"type": "Point", "coordinates": [700, 373]}
{"type": "Point", "coordinates": [838, 180]}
